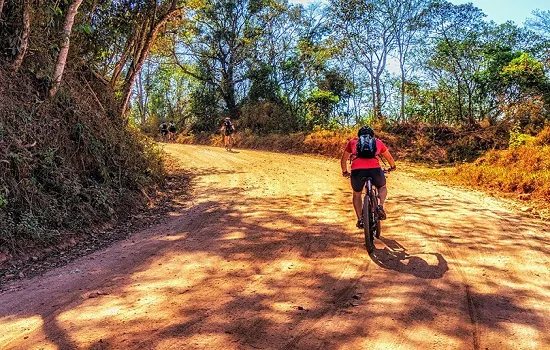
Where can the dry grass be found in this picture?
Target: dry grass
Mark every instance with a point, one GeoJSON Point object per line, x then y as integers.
{"type": "Point", "coordinates": [522, 172]}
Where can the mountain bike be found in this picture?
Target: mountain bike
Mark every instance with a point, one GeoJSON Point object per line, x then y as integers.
{"type": "Point", "coordinates": [371, 218]}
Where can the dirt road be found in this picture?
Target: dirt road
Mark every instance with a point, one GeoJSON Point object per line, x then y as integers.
{"type": "Point", "coordinates": [266, 256]}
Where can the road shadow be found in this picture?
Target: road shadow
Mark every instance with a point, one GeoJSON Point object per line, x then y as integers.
{"type": "Point", "coordinates": [395, 257]}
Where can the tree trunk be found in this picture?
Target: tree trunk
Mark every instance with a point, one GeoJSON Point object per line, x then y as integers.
{"type": "Point", "coordinates": [64, 48]}
{"type": "Point", "coordinates": [229, 92]}
{"type": "Point", "coordinates": [378, 106]}
{"type": "Point", "coordinates": [471, 119]}
{"type": "Point", "coordinates": [402, 107]}
{"type": "Point", "coordinates": [24, 35]}
{"type": "Point", "coordinates": [141, 101]}
{"type": "Point", "coordinates": [1, 7]}
{"type": "Point", "coordinates": [123, 59]}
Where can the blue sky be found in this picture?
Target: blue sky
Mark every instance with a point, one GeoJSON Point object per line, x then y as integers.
{"type": "Point", "coordinates": [499, 11]}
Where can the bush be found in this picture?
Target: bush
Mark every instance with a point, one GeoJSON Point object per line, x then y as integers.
{"type": "Point", "coordinates": [517, 138]}
{"type": "Point", "coordinates": [543, 138]}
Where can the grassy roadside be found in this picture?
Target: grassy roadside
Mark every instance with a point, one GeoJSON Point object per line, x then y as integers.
{"type": "Point", "coordinates": [520, 174]}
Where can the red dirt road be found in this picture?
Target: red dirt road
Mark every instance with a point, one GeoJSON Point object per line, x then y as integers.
{"type": "Point", "coordinates": [266, 256]}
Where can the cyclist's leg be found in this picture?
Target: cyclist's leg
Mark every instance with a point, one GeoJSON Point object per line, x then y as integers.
{"type": "Point", "coordinates": [357, 184]}
{"type": "Point", "coordinates": [379, 180]}
{"type": "Point", "coordinates": [382, 194]}
{"type": "Point", "coordinates": [358, 204]}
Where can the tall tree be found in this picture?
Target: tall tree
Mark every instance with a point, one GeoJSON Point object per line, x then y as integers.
{"type": "Point", "coordinates": [457, 32]}
{"type": "Point", "coordinates": [368, 30]}
{"type": "Point", "coordinates": [411, 23]}
{"type": "Point", "coordinates": [220, 35]}
{"type": "Point", "coordinates": [140, 45]}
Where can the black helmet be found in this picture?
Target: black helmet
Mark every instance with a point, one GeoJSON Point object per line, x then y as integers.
{"type": "Point", "coordinates": [365, 130]}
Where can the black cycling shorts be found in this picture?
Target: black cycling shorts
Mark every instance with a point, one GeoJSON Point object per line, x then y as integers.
{"type": "Point", "coordinates": [358, 178]}
{"type": "Point", "coordinates": [228, 132]}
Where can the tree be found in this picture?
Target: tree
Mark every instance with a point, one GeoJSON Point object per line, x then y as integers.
{"type": "Point", "coordinates": [367, 29]}
{"type": "Point", "coordinates": [410, 23]}
{"type": "Point", "coordinates": [24, 40]}
{"type": "Point", "coordinates": [540, 22]}
{"type": "Point", "coordinates": [219, 36]}
{"type": "Point", "coordinates": [457, 32]}
{"type": "Point", "coordinates": [140, 45]}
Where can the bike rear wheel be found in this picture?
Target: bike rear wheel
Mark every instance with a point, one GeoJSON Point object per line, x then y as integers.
{"type": "Point", "coordinates": [367, 224]}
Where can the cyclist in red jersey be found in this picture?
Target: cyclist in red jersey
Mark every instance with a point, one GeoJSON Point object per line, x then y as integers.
{"type": "Point", "coordinates": [366, 167]}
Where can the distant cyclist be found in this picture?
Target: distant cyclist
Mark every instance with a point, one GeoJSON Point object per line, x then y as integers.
{"type": "Point", "coordinates": [228, 129]}
{"type": "Point", "coordinates": [163, 128]}
{"type": "Point", "coordinates": [171, 131]}
{"type": "Point", "coordinates": [364, 151]}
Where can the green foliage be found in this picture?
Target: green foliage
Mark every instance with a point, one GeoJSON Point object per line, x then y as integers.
{"type": "Point", "coordinates": [267, 117]}
{"type": "Point", "coordinates": [263, 87]}
{"type": "Point", "coordinates": [320, 106]}
{"type": "Point", "coordinates": [524, 72]}
{"type": "Point", "coordinates": [206, 114]}
{"type": "Point", "coordinates": [518, 139]}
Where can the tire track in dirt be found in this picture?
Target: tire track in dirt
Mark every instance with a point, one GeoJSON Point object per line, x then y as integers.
{"type": "Point", "coordinates": [345, 294]}
{"type": "Point", "coordinates": [472, 308]}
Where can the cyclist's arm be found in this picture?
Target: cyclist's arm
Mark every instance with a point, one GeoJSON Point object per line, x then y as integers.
{"type": "Point", "coordinates": [387, 155]}
{"type": "Point", "coordinates": [344, 161]}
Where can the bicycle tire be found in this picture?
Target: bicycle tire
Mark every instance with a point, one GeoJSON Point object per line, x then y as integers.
{"type": "Point", "coordinates": [367, 219]}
